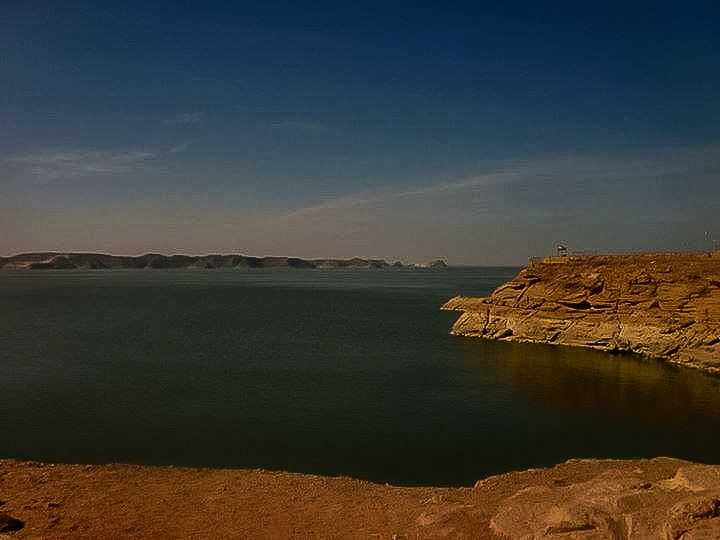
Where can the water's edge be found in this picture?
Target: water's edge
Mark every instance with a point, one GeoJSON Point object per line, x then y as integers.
{"type": "Point", "coordinates": [348, 373]}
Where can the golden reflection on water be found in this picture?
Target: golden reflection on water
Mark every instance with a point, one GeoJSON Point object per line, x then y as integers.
{"type": "Point", "coordinates": [597, 383]}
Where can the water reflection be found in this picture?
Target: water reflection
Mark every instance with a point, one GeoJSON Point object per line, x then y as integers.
{"type": "Point", "coordinates": [325, 373]}
{"type": "Point", "coordinates": [598, 384]}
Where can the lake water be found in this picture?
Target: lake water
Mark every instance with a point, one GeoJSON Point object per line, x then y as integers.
{"type": "Point", "coordinates": [328, 372]}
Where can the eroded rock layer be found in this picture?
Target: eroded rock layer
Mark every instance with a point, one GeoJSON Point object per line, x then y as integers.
{"type": "Point", "coordinates": [664, 306]}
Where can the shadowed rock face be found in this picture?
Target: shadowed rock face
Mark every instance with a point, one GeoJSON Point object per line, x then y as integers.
{"type": "Point", "coordinates": [94, 261]}
{"type": "Point", "coordinates": [664, 306]}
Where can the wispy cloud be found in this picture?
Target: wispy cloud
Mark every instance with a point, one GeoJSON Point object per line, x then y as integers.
{"type": "Point", "coordinates": [654, 200]}
{"type": "Point", "coordinates": [50, 165]}
{"type": "Point", "coordinates": [584, 199]}
{"type": "Point", "coordinates": [186, 118]}
{"type": "Point", "coordinates": [376, 199]}
{"type": "Point", "coordinates": [178, 148]}
{"type": "Point", "coordinates": [304, 126]}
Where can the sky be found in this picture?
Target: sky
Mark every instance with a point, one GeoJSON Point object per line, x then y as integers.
{"type": "Point", "coordinates": [482, 132]}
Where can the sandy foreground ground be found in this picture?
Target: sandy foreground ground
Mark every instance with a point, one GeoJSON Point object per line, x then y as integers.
{"type": "Point", "coordinates": [577, 499]}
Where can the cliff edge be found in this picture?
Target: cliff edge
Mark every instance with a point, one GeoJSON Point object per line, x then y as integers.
{"type": "Point", "coordinates": [665, 306]}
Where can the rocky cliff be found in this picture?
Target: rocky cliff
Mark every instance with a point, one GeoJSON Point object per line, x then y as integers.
{"type": "Point", "coordinates": [96, 261]}
{"type": "Point", "coordinates": [664, 306]}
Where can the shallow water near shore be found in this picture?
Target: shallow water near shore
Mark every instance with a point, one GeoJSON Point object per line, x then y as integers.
{"type": "Point", "coordinates": [332, 372]}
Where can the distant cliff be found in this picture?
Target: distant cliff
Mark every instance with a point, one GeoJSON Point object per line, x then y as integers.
{"type": "Point", "coordinates": [68, 261]}
{"type": "Point", "coordinates": [664, 306]}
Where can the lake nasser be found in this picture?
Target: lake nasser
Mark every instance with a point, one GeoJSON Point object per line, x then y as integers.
{"type": "Point", "coordinates": [333, 372]}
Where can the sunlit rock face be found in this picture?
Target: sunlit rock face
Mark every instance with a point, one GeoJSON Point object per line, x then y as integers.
{"type": "Point", "coordinates": [661, 305]}
{"type": "Point", "coordinates": [660, 498]}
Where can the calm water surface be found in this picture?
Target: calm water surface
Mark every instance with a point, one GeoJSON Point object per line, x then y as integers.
{"type": "Point", "coordinates": [328, 372]}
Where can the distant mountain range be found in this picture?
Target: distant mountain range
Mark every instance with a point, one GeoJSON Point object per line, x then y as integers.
{"type": "Point", "coordinates": [99, 261]}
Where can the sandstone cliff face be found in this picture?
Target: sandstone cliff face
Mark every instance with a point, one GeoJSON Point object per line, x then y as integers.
{"type": "Point", "coordinates": [665, 306]}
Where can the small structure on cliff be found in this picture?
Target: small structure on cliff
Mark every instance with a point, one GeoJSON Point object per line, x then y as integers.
{"type": "Point", "coordinates": [662, 305]}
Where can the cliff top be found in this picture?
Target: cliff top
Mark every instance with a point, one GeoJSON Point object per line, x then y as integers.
{"type": "Point", "coordinates": [663, 305]}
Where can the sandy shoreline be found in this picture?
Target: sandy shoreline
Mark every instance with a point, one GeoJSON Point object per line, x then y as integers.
{"type": "Point", "coordinates": [573, 500]}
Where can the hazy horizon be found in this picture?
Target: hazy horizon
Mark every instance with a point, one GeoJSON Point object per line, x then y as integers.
{"type": "Point", "coordinates": [481, 134]}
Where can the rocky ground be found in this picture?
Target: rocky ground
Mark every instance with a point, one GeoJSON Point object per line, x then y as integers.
{"type": "Point", "coordinates": [664, 306]}
{"type": "Point", "coordinates": [583, 499]}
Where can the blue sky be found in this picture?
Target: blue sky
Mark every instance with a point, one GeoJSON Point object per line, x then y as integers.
{"type": "Point", "coordinates": [480, 132]}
